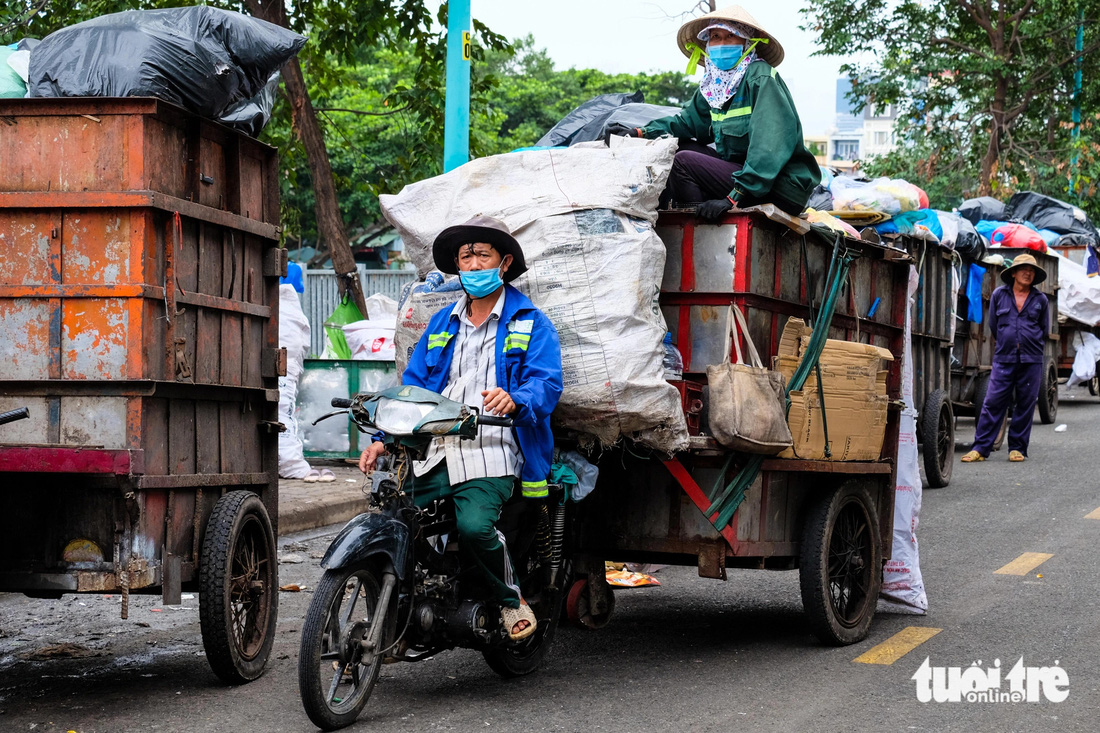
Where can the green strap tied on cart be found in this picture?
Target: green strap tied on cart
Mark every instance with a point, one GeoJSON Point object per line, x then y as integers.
{"type": "Point", "coordinates": [726, 503]}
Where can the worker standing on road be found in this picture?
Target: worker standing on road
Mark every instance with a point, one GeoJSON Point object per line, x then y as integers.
{"type": "Point", "coordinates": [1019, 319]}
{"type": "Point", "coordinates": [745, 109]}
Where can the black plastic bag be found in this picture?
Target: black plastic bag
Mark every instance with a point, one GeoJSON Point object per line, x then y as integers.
{"type": "Point", "coordinates": [597, 108]}
{"type": "Point", "coordinates": [204, 59]}
{"type": "Point", "coordinates": [969, 243]}
{"type": "Point", "coordinates": [1046, 212]}
{"type": "Point", "coordinates": [983, 209]}
{"type": "Point", "coordinates": [252, 115]}
{"type": "Point", "coordinates": [821, 199]}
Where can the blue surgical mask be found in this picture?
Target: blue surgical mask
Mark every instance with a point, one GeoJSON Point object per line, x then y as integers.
{"type": "Point", "coordinates": [479, 283]}
{"type": "Point", "coordinates": [726, 57]}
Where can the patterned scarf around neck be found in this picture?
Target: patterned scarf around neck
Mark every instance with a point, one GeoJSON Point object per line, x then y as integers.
{"type": "Point", "coordinates": [719, 86]}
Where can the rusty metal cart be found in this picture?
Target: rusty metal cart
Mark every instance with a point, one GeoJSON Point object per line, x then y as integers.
{"type": "Point", "coordinates": [973, 349]}
{"type": "Point", "coordinates": [139, 267]}
{"type": "Point", "coordinates": [1068, 328]}
{"type": "Point", "coordinates": [832, 520]}
{"type": "Point", "coordinates": [932, 329]}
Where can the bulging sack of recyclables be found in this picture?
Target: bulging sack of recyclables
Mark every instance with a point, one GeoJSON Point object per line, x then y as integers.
{"type": "Point", "coordinates": [584, 217]}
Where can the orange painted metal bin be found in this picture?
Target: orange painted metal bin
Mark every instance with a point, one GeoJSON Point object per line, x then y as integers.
{"type": "Point", "coordinates": [139, 266]}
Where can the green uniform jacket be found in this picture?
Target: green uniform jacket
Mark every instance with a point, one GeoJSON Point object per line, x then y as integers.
{"type": "Point", "coordinates": [759, 128]}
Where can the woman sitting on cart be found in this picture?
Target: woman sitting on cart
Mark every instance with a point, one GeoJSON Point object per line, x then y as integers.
{"type": "Point", "coordinates": [745, 109]}
{"type": "Point", "coordinates": [1019, 320]}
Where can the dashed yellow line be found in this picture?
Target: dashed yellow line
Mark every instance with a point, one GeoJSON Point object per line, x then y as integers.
{"type": "Point", "coordinates": [898, 645]}
{"type": "Point", "coordinates": [1094, 514]}
{"type": "Point", "coordinates": [1024, 564]}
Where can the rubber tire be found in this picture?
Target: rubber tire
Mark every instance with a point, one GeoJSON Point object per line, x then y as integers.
{"type": "Point", "coordinates": [937, 465]}
{"type": "Point", "coordinates": [223, 528]}
{"type": "Point", "coordinates": [981, 387]}
{"type": "Point", "coordinates": [577, 607]}
{"type": "Point", "coordinates": [1094, 383]}
{"type": "Point", "coordinates": [309, 653]}
{"type": "Point", "coordinates": [814, 562]}
{"type": "Point", "coordinates": [1048, 395]}
{"type": "Point", "coordinates": [999, 441]}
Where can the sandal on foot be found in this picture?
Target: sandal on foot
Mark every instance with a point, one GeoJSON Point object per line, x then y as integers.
{"type": "Point", "coordinates": [512, 616]}
{"type": "Point", "coordinates": [1016, 456]}
{"type": "Point", "coordinates": [973, 457]}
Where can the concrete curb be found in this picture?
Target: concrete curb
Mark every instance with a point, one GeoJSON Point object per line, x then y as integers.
{"type": "Point", "coordinates": [300, 517]}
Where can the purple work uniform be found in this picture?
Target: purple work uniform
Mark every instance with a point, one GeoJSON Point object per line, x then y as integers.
{"type": "Point", "coordinates": [1017, 368]}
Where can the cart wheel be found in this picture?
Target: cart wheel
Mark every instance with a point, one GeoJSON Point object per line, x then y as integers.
{"type": "Point", "coordinates": [1048, 395]}
{"type": "Point", "coordinates": [578, 607]}
{"type": "Point", "coordinates": [980, 389]}
{"type": "Point", "coordinates": [238, 583]}
{"type": "Point", "coordinates": [938, 439]}
{"type": "Point", "coordinates": [840, 569]}
{"type": "Point", "coordinates": [1094, 383]}
{"type": "Point", "coordinates": [1000, 439]}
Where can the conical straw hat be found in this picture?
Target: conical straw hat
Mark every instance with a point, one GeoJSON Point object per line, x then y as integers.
{"type": "Point", "coordinates": [772, 52]}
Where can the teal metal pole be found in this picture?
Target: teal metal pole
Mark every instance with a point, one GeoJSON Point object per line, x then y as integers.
{"type": "Point", "coordinates": [456, 133]}
{"type": "Point", "coordinates": [1077, 100]}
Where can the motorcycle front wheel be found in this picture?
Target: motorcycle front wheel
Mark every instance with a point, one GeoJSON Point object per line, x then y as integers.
{"type": "Point", "coordinates": [335, 674]}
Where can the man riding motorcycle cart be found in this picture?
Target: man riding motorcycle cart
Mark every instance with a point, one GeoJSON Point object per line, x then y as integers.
{"type": "Point", "coordinates": [492, 347]}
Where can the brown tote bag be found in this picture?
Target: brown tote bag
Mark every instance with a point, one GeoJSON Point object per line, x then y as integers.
{"type": "Point", "coordinates": [747, 402]}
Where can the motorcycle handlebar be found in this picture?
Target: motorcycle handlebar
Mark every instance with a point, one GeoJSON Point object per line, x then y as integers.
{"type": "Point", "coordinates": [20, 414]}
{"type": "Point", "coordinates": [503, 422]}
{"type": "Point", "coordinates": [341, 402]}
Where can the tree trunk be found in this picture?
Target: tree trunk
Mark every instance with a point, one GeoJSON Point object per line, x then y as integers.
{"type": "Point", "coordinates": [330, 224]}
{"type": "Point", "coordinates": [996, 134]}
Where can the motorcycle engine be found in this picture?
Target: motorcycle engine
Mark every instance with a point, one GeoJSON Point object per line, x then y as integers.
{"type": "Point", "coordinates": [469, 623]}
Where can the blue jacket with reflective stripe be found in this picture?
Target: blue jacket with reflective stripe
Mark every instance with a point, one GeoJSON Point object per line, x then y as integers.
{"type": "Point", "coordinates": [528, 363]}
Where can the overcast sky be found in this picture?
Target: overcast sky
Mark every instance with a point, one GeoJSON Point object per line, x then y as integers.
{"type": "Point", "coordinates": [640, 35]}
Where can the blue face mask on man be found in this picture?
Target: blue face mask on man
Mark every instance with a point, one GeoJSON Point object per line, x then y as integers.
{"type": "Point", "coordinates": [726, 57]}
{"type": "Point", "coordinates": [479, 283]}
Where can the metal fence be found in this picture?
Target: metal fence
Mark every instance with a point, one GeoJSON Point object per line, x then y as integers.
{"type": "Point", "coordinates": [322, 294]}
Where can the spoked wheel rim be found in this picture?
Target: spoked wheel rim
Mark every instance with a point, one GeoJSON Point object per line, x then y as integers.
{"type": "Point", "coordinates": [1052, 388]}
{"type": "Point", "coordinates": [347, 672]}
{"type": "Point", "coordinates": [250, 589]}
{"type": "Point", "coordinates": [945, 438]}
{"type": "Point", "coordinates": [849, 567]}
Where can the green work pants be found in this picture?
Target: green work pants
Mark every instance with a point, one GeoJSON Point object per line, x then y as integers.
{"type": "Point", "coordinates": [477, 509]}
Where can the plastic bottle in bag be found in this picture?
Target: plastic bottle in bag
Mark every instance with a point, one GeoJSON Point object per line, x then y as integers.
{"type": "Point", "coordinates": [672, 362]}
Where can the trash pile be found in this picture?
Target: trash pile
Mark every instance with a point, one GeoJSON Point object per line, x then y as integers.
{"type": "Point", "coordinates": [215, 63]}
{"type": "Point", "coordinates": [584, 217]}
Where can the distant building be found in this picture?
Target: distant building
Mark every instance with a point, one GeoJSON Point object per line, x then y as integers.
{"type": "Point", "coordinates": [858, 135]}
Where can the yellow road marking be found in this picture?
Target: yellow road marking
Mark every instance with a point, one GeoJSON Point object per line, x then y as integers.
{"type": "Point", "coordinates": [1024, 564]}
{"type": "Point", "coordinates": [898, 645]}
{"type": "Point", "coordinates": [1094, 514]}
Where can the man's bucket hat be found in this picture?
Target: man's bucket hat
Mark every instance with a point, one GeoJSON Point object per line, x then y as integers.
{"type": "Point", "coordinates": [481, 228]}
{"type": "Point", "coordinates": [1019, 261]}
{"type": "Point", "coordinates": [772, 51]}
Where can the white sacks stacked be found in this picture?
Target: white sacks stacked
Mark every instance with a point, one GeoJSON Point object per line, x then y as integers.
{"type": "Point", "coordinates": [584, 217]}
{"type": "Point", "coordinates": [294, 337]}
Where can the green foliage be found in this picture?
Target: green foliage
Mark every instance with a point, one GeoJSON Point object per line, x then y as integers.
{"type": "Point", "coordinates": [985, 91]}
{"type": "Point", "coordinates": [389, 130]}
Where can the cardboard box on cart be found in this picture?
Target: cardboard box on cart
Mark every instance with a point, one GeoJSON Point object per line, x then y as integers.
{"type": "Point", "coordinates": [854, 386]}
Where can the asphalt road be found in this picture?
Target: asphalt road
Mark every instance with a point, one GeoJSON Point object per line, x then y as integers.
{"type": "Point", "coordinates": [693, 654]}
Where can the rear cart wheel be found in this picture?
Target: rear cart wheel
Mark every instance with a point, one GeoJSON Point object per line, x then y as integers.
{"type": "Point", "coordinates": [238, 583]}
{"type": "Point", "coordinates": [841, 565]}
{"type": "Point", "coordinates": [1094, 383]}
{"type": "Point", "coordinates": [579, 607]}
{"type": "Point", "coordinates": [336, 675]}
{"type": "Point", "coordinates": [938, 439]}
{"type": "Point", "coordinates": [1048, 395]}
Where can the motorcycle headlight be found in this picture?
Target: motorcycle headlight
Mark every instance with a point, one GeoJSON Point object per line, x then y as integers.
{"type": "Point", "coordinates": [398, 417]}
